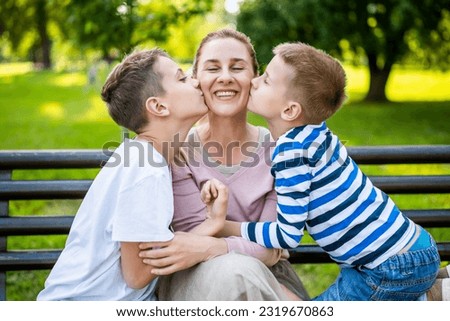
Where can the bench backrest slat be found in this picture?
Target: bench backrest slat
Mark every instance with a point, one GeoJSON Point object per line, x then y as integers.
{"type": "Point", "coordinates": [48, 225]}
{"type": "Point", "coordinates": [35, 225]}
{"type": "Point", "coordinates": [421, 154]}
{"type": "Point", "coordinates": [76, 189]}
{"type": "Point", "coordinates": [53, 159]}
{"type": "Point", "coordinates": [33, 190]}
{"type": "Point", "coordinates": [376, 155]}
{"type": "Point", "coordinates": [315, 254]}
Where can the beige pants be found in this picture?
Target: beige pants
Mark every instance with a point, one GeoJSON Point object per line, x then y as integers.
{"type": "Point", "coordinates": [230, 277]}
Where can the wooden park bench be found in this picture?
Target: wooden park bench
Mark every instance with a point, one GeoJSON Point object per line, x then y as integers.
{"type": "Point", "coordinates": [31, 225]}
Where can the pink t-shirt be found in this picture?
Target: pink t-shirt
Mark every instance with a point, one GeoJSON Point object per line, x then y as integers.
{"type": "Point", "coordinates": [251, 193]}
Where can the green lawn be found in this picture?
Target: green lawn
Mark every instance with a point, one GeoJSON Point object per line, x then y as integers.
{"type": "Point", "coordinates": [46, 110]}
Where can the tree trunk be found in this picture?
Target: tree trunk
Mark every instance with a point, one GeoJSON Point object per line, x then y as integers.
{"type": "Point", "coordinates": [44, 40]}
{"type": "Point", "coordinates": [378, 80]}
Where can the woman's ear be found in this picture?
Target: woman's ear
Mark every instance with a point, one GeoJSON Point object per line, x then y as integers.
{"type": "Point", "coordinates": [292, 111]}
{"type": "Point", "coordinates": [156, 107]}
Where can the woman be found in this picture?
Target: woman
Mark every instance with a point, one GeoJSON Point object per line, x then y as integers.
{"type": "Point", "coordinates": [226, 147]}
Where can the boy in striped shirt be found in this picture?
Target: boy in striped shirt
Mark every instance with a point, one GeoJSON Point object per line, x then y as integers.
{"type": "Point", "coordinates": [383, 254]}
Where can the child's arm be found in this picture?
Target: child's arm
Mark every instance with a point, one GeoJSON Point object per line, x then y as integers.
{"type": "Point", "coordinates": [190, 211]}
{"type": "Point", "coordinates": [215, 195]}
{"type": "Point", "coordinates": [136, 273]}
{"type": "Point", "coordinates": [293, 187]}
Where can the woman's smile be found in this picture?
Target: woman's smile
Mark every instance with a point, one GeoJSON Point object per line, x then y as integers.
{"type": "Point", "coordinates": [225, 93]}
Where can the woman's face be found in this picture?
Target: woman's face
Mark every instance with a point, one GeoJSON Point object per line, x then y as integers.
{"type": "Point", "coordinates": [225, 72]}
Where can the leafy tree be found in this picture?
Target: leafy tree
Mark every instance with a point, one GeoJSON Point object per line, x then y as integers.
{"type": "Point", "coordinates": [22, 20]}
{"type": "Point", "coordinates": [101, 25]}
{"type": "Point", "coordinates": [185, 36]}
{"type": "Point", "coordinates": [117, 26]}
{"type": "Point", "coordinates": [383, 32]}
{"type": "Point", "coordinates": [112, 27]}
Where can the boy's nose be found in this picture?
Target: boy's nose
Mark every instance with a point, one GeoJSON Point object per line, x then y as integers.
{"type": "Point", "coordinates": [195, 82]}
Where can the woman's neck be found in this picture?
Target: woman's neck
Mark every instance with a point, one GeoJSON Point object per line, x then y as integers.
{"type": "Point", "coordinates": [225, 130]}
{"type": "Point", "coordinates": [231, 134]}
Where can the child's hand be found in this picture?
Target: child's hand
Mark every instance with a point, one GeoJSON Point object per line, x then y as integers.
{"type": "Point", "coordinates": [215, 195]}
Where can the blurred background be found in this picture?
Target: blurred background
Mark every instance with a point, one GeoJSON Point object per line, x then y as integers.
{"type": "Point", "coordinates": [56, 54]}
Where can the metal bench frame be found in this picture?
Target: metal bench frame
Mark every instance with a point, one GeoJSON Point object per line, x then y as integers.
{"type": "Point", "coordinates": [76, 189]}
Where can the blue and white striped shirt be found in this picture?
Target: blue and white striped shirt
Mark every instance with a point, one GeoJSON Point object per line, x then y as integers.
{"type": "Point", "coordinates": [320, 188]}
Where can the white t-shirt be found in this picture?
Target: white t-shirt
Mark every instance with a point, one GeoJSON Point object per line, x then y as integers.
{"type": "Point", "coordinates": [130, 200]}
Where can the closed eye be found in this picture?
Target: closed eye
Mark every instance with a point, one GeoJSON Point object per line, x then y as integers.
{"type": "Point", "coordinates": [180, 75]}
{"type": "Point", "coordinates": [212, 69]}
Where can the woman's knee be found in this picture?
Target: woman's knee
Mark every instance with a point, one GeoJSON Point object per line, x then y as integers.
{"type": "Point", "coordinates": [238, 266]}
{"type": "Point", "coordinates": [228, 277]}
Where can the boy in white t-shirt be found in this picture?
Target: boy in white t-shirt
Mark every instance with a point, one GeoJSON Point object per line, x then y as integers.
{"type": "Point", "coordinates": [130, 200]}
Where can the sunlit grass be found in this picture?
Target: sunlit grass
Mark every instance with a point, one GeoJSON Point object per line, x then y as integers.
{"type": "Point", "coordinates": [53, 110]}
{"type": "Point", "coordinates": [44, 110]}
{"type": "Point", "coordinates": [68, 80]}
{"type": "Point", "coordinates": [357, 83]}
{"type": "Point", "coordinates": [418, 85]}
{"type": "Point", "coordinates": [13, 69]}
{"type": "Point", "coordinates": [404, 84]}
{"type": "Point", "coordinates": [45, 101]}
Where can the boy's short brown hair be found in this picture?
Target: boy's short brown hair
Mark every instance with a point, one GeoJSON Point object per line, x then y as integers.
{"type": "Point", "coordinates": [318, 81]}
{"type": "Point", "coordinates": [129, 85]}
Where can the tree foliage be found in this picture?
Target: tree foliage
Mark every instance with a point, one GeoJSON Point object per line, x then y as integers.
{"type": "Point", "coordinates": [382, 32]}
{"type": "Point", "coordinates": [112, 27]}
{"type": "Point", "coordinates": [24, 23]}
{"type": "Point", "coordinates": [119, 26]}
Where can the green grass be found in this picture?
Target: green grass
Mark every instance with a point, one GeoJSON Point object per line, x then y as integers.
{"type": "Point", "coordinates": [46, 110]}
{"type": "Point", "coordinates": [404, 84]}
{"type": "Point", "coordinates": [53, 110]}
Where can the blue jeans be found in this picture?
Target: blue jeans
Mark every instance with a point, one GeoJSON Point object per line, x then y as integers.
{"type": "Point", "coordinates": [403, 277]}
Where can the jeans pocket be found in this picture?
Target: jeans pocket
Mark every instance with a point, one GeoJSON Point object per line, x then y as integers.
{"type": "Point", "coordinates": [408, 275]}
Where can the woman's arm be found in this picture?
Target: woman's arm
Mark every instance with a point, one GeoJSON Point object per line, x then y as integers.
{"type": "Point", "coordinates": [238, 244]}
{"type": "Point", "coordinates": [230, 229]}
{"type": "Point", "coordinates": [190, 211]}
{"type": "Point", "coordinates": [215, 196]}
{"type": "Point", "coordinates": [182, 252]}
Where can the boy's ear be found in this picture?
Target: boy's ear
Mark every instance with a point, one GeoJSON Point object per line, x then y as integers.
{"type": "Point", "coordinates": [291, 111]}
{"type": "Point", "coordinates": [156, 107]}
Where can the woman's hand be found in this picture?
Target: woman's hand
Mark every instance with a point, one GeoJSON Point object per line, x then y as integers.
{"type": "Point", "coordinates": [215, 195]}
{"type": "Point", "coordinates": [182, 252]}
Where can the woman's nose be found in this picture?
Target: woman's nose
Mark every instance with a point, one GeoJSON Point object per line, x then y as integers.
{"type": "Point", "coordinates": [225, 76]}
